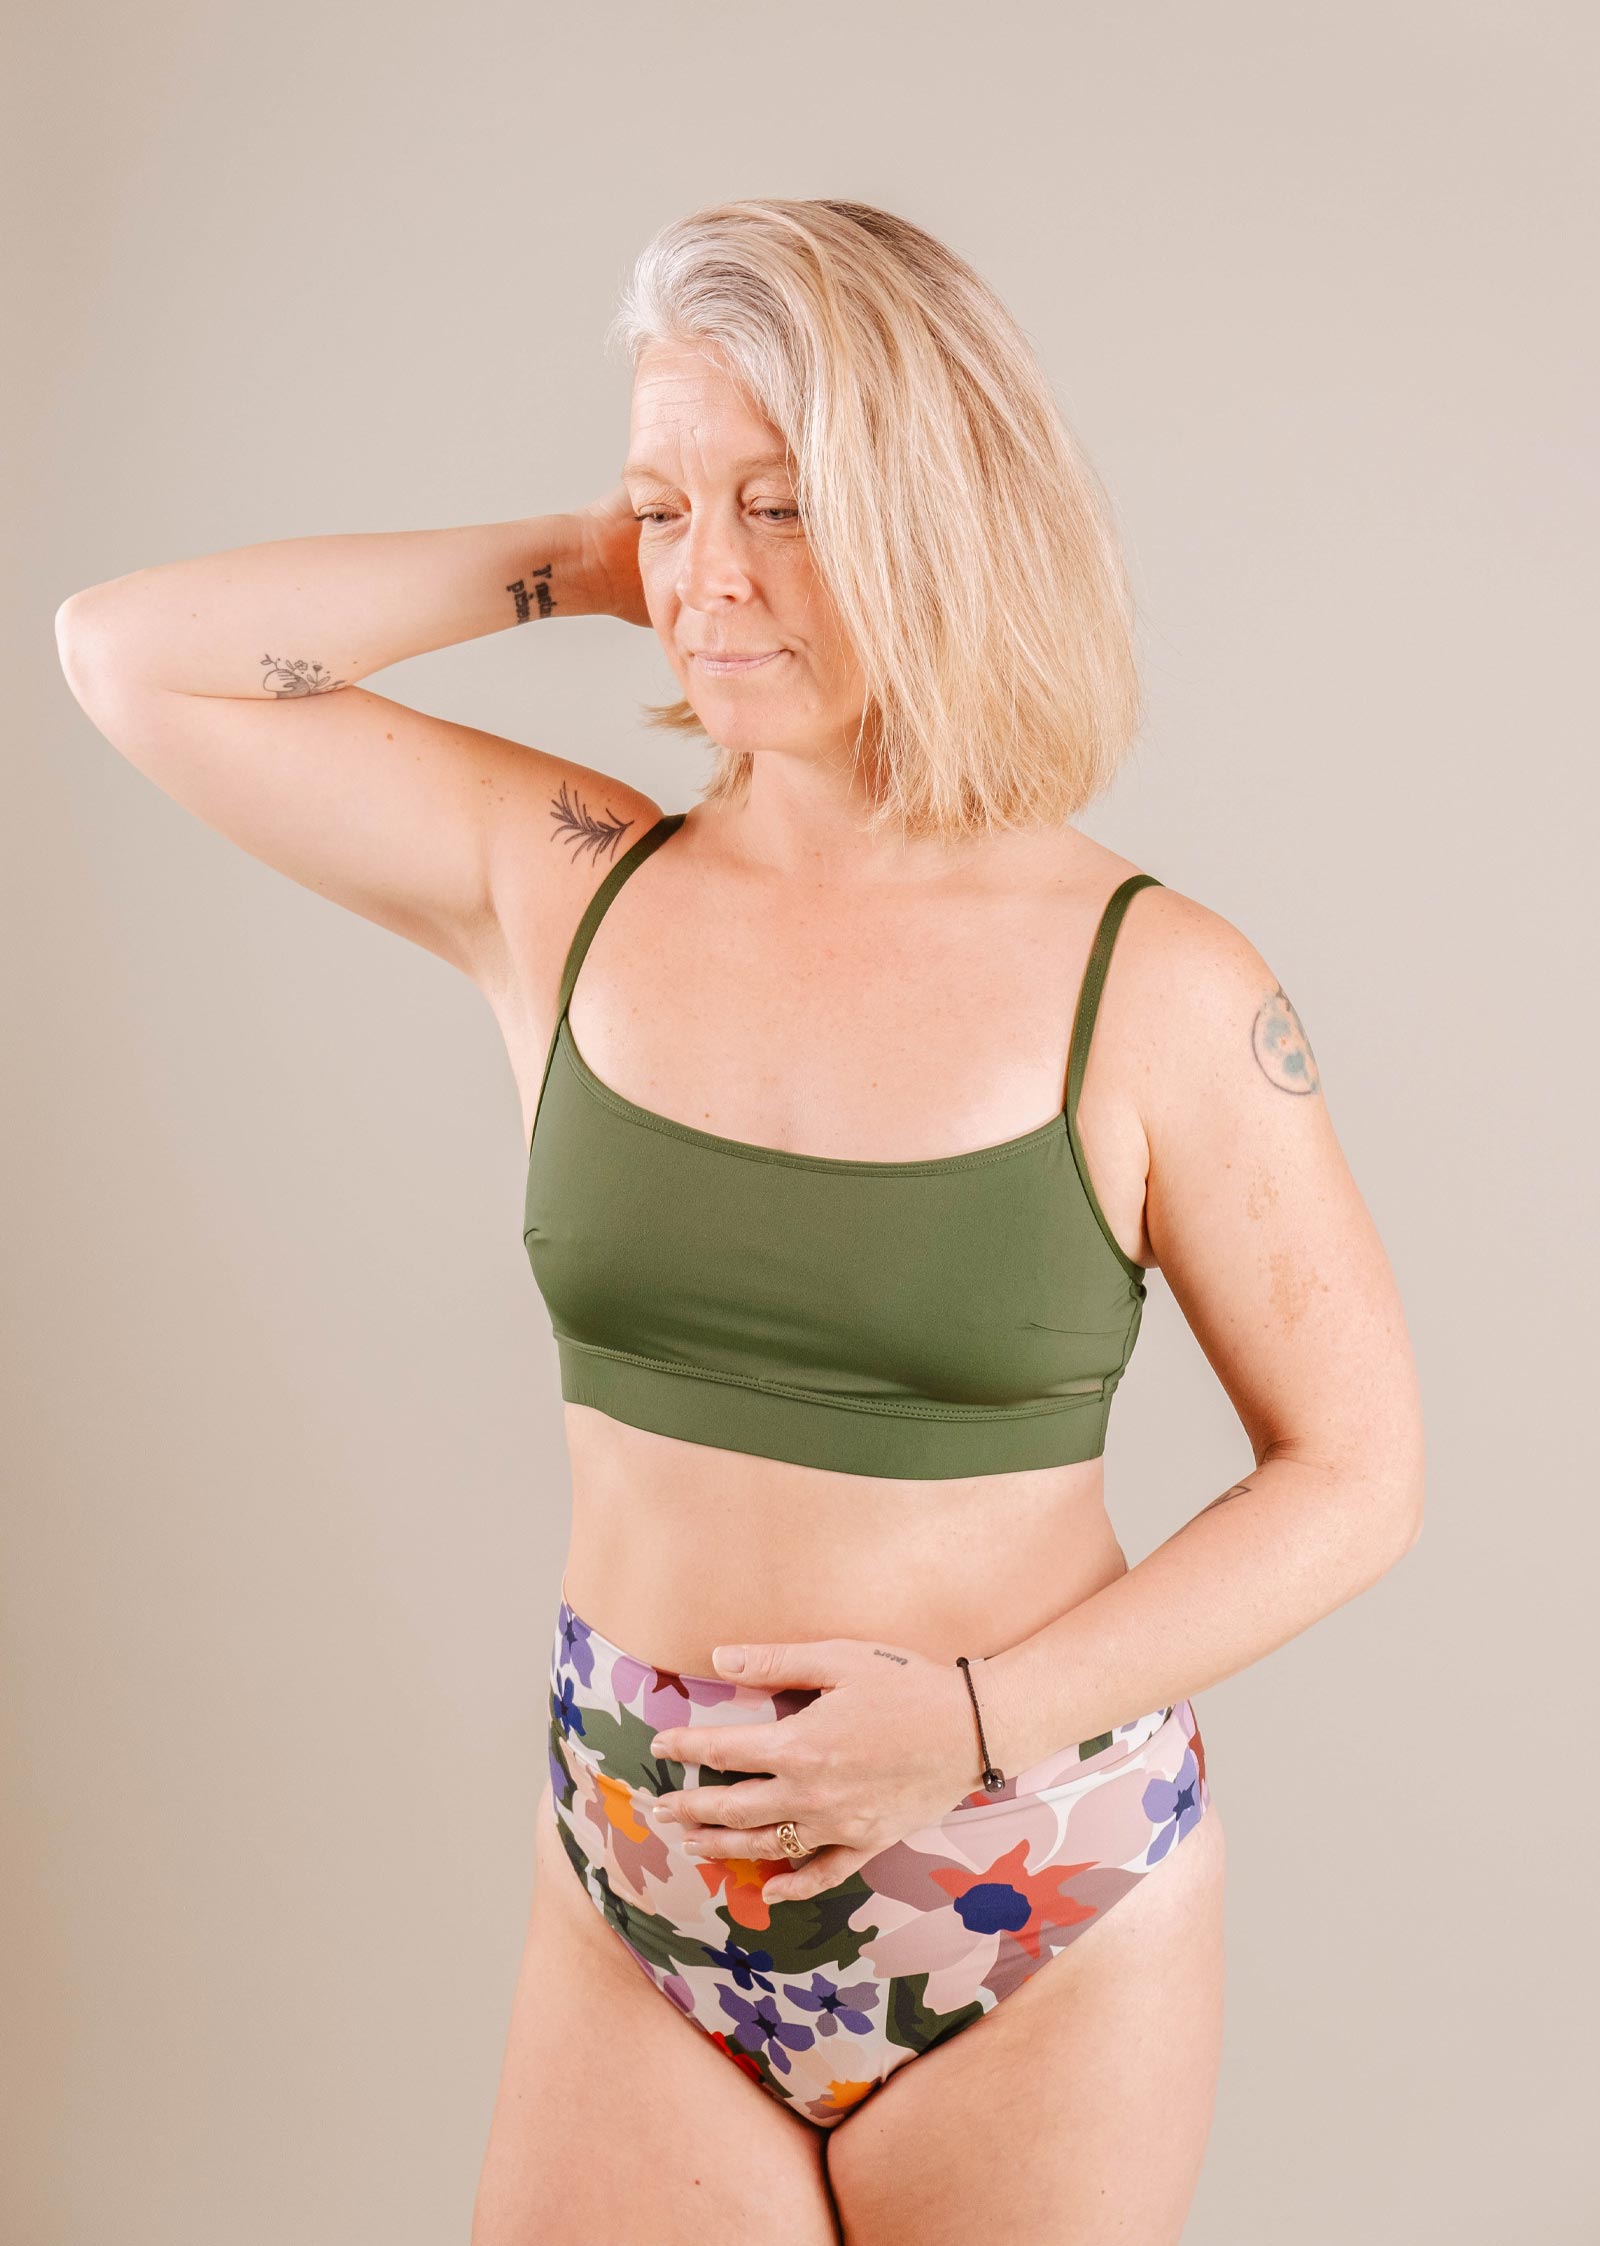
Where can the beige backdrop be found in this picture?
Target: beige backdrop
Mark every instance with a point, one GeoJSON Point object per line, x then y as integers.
{"type": "Point", "coordinates": [286, 1494]}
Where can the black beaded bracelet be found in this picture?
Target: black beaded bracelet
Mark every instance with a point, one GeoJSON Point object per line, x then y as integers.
{"type": "Point", "coordinates": [993, 1779]}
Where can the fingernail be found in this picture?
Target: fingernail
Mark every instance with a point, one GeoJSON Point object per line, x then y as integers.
{"type": "Point", "coordinates": [728, 1657]}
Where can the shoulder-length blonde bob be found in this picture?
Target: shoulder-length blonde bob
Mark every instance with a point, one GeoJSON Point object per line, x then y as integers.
{"type": "Point", "coordinates": [966, 542]}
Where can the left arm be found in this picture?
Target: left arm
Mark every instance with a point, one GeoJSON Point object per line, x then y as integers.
{"type": "Point", "coordinates": [1269, 1250]}
{"type": "Point", "coordinates": [1277, 1267]}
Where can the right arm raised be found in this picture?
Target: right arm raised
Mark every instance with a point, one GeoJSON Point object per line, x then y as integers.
{"type": "Point", "coordinates": [230, 680]}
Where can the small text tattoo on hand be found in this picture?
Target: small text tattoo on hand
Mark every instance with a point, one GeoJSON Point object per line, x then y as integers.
{"type": "Point", "coordinates": [288, 678]}
{"type": "Point", "coordinates": [1281, 1047]}
{"type": "Point", "coordinates": [540, 580]}
{"type": "Point", "coordinates": [579, 825]}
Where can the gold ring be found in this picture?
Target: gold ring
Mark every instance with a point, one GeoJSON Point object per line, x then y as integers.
{"type": "Point", "coordinates": [789, 1841]}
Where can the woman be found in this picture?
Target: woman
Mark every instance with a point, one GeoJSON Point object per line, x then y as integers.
{"type": "Point", "coordinates": [859, 1099]}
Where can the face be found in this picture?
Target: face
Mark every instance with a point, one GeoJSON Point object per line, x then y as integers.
{"type": "Point", "coordinates": [726, 568]}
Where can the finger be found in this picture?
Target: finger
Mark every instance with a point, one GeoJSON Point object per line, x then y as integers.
{"type": "Point", "coordinates": [748, 1746]}
{"type": "Point", "coordinates": [826, 1869]}
{"type": "Point", "coordinates": [815, 1661]}
{"type": "Point", "coordinates": [754, 1801]}
{"type": "Point", "coordinates": [760, 1844]}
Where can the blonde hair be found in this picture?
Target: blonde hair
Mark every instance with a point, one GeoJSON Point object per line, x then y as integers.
{"type": "Point", "coordinates": [961, 533]}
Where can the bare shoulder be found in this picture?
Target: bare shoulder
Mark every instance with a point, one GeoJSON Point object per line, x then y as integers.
{"type": "Point", "coordinates": [559, 829]}
{"type": "Point", "coordinates": [1194, 992]}
{"type": "Point", "coordinates": [1203, 1078]}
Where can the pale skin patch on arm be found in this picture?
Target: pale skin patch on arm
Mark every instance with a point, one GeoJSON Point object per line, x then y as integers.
{"type": "Point", "coordinates": [1284, 1056]}
{"type": "Point", "coordinates": [1281, 1047]}
{"type": "Point", "coordinates": [1293, 1288]}
{"type": "Point", "coordinates": [1262, 1197]}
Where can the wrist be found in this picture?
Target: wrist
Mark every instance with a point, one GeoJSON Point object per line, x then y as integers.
{"type": "Point", "coordinates": [606, 559]}
{"type": "Point", "coordinates": [990, 1772]}
{"type": "Point", "coordinates": [556, 569]}
{"type": "Point", "coordinates": [966, 1756]}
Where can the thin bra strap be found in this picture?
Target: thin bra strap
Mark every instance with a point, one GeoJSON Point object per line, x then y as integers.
{"type": "Point", "coordinates": [593, 913]}
{"type": "Point", "coordinates": [1094, 976]}
{"type": "Point", "coordinates": [595, 910]}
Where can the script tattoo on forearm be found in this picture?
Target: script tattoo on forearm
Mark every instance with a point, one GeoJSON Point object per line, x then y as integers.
{"type": "Point", "coordinates": [286, 677]}
{"type": "Point", "coordinates": [539, 579]}
{"type": "Point", "coordinates": [576, 824]}
{"type": "Point", "coordinates": [1281, 1046]}
{"type": "Point", "coordinates": [885, 1654]}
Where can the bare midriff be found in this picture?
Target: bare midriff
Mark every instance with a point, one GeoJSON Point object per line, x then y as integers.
{"type": "Point", "coordinates": [677, 1548]}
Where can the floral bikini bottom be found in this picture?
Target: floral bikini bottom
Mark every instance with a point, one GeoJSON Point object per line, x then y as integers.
{"type": "Point", "coordinates": [820, 1998]}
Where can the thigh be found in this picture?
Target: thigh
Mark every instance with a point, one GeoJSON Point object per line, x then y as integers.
{"type": "Point", "coordinates": [1077, 2111]}
{"type": "Point", "coordinates": [615, 2118]}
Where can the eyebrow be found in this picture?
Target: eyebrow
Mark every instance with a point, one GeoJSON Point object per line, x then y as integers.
{"type": "Point", "coordinates": [740, 467]}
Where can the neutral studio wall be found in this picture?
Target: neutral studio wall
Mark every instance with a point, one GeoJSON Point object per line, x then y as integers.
{"type": "Point", "coordinates": [285, 1488]}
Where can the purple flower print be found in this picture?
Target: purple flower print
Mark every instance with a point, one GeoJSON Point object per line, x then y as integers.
{"type": "Point", "coordinates": [1174, 1805]}
{"type": "Point", "coordinates": [676, 1987]}
{"type": "Point", "coordinates": [835, 2007]}
{"type": "Point", "coordinates": [672, 1985]}
{"type": "Point", "coordinates": [572, 1636]}
{"type": "Point", "coordinates": [566, 1710]}
{"type": "Point", "coordinates": [758, 2024]}
{"type": "Point", "coordinates": [745, 1965]}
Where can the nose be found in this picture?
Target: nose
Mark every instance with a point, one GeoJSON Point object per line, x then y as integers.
{"type": "Point", "coordinates": [711, 564]}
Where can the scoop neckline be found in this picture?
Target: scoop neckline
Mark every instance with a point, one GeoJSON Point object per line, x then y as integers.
{"type": "Point", "coordinates": [750, 1150]}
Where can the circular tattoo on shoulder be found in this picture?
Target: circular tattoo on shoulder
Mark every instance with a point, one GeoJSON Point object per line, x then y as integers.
{"type": "Point", "coordinates": [1282, 1048]}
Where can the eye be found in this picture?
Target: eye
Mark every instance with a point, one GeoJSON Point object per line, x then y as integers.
{"type": "Point", "coordinates": [792, 512]}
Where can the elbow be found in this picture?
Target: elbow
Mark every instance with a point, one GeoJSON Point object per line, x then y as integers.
{"type": "Point", "coordinates": [85, 646]}
{"type": "Point", "coordinates": [73, 615]}
{"type": "Point", "coordinates": [1411, 1526]}
{"type": "Point", "coordinates": [72, 638]}
{"type": "Point", "coordinates": [1402, 1498]}
{"type": "Point", "coordinates": [1378, 1498]}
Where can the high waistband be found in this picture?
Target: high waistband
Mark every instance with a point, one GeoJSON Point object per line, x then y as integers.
{"type": "Point", "coordinates": [609, 1703]}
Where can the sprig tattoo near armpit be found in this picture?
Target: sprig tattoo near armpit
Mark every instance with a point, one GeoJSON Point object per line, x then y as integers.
{"type": "Point", "coordinates": [288, 678]}
{"type": "Point", "coordinates": [1282, 1048]}
{"type": "Point", "coordinates": [539, 579]}
{"type": "Point", "coordinates": [579, 826]}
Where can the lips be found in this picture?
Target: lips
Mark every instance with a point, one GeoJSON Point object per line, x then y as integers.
{"type": "Point", "coordinates": [731, 664]}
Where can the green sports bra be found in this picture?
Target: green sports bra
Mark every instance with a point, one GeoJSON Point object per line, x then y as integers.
{"type": "Point", "coordinates": [961, 1316]}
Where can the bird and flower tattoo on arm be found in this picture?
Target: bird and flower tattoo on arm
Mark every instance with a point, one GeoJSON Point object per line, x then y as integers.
{"type": "Point", "coordinates": [287, 677]}
{"type": "Point", "coordinates": [290, 676]}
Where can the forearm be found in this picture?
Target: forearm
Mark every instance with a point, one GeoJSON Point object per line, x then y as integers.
{"type": "Point", "coordinates": [1285, 1546]}
{"type": "Point", "coordinates": [304, 615]}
